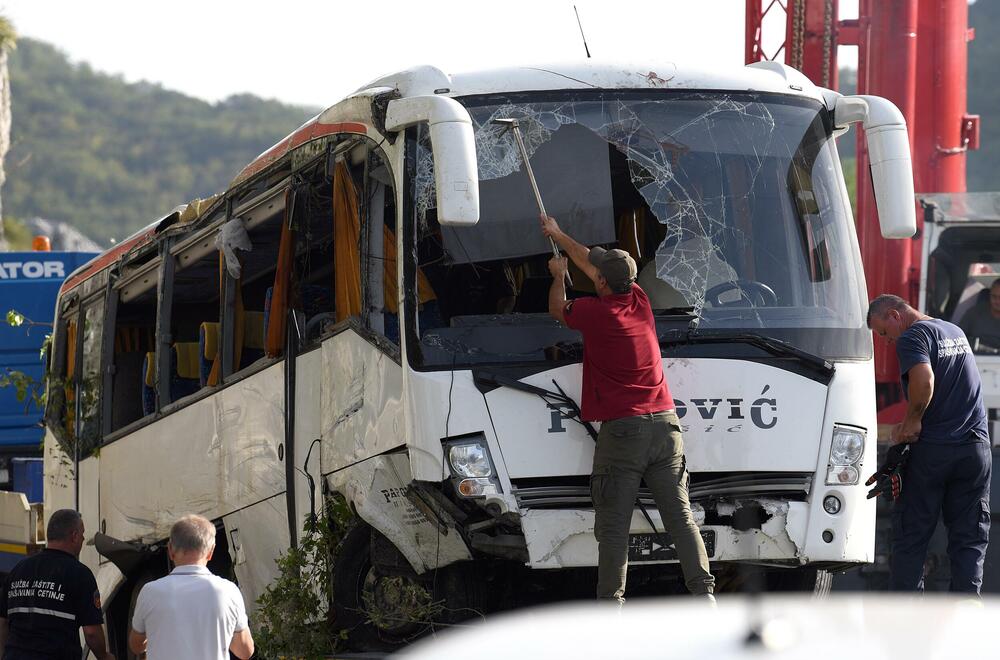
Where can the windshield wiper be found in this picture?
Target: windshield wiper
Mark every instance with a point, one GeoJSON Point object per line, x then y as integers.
{"type": "Point", "coordinates": [775, 347]}
{"type": "Point", "coordinates": [548, 396]}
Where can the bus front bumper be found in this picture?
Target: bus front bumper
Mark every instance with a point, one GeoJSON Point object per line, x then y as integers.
{"type": "Point", "coordinates": [565, 538]}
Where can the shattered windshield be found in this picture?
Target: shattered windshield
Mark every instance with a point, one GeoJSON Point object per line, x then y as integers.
{"type": "Point", "coordinates": [732, 205]}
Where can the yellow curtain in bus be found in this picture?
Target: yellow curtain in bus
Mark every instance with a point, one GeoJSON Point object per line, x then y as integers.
{"type": "Point", "coordinates": [134, 339]}
{"type": "Point", "coordinates": [346, 257]}
{"type": "Point", "coordinates": [281, 293]}
{"type": "Point", "coordinates": [70, 350]}
{"type": "Point", "coordinates": [424, 291]}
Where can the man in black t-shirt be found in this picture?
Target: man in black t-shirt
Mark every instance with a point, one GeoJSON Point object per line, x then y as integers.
{"type": "Point", "coordinates": [49, 596]}
{"type": "Point", "coordinates": [950, 461]}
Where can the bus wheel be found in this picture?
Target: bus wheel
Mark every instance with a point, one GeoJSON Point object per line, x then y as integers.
{"type": "Point", "coordinates": [808, 580]}
{"type": "Point", "coordinates": [375, 610]}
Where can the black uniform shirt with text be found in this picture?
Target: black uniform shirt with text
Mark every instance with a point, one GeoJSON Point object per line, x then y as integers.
{"type": "Point", "coordinates": [45, 599]}
{"type": "Point", "coordinates": [956, 414]}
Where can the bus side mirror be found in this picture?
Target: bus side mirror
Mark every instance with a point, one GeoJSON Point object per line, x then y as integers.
{"type": "Point", "coordinates": [889, 158]}
{"type": "Point", "coordinates": [456, 175]}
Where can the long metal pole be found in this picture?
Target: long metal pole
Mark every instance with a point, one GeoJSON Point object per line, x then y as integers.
{"type": "Point", "coordinates": [534, 186]}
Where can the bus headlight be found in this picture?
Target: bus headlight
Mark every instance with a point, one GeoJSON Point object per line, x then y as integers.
{"type": "Point", "coordinates": [846, 451]}
{"type": "Point", "coordinates": [848, 446]}
{"type": "Point", "coordinates": [470, 460]}
{"type": "Point", "coordinates": [472, 472]}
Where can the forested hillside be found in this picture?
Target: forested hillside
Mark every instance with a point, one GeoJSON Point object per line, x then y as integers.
{"type": "Point", "coordinates": [109, 157]}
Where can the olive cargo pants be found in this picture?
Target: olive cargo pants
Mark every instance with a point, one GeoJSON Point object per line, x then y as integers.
{"type": "Point", "coordinates": [630, 449]}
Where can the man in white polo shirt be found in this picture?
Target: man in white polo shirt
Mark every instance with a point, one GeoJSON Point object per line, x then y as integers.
{"type": "Point", "coordinates": [190, 613]}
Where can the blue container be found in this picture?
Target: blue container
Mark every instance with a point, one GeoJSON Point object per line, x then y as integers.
{"type": "Point", "coordinates": [28, 477]}
{"type": "Point", "coordinates": [29, 283]}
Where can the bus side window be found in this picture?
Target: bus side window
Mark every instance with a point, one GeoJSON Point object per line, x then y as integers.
{"type": "Point", "coordinates": [378, 241]}
{"type": "Point", "coordinates": [61, 390]}
{"type": "Point", "coordinates": [379, 250]}
{"type": "Point", "coordinates": [194, 303]}
{"type": "Point", "coordinates": [346, 217]}
{"type": "Point", "coordinates": [257, 286]}
{"type": "Point", "coordinates": [133, 352]}
{"type": "Point", "coordinates": [315, 260]}
{"type": "Point", "coordinates": [88, 377]}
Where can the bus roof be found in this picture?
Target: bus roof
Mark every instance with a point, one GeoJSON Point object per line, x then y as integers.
{"type": "Point", "coordinates": [591, 74]}
{"type": "Point", "coordinates": [108, 257]}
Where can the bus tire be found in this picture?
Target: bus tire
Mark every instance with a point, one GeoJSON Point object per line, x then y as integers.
{"type": "Point", "coordinates": [461, 592]}
{"type": "Point", "coordinates": [363, 598]}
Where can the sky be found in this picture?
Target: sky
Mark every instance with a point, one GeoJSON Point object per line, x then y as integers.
{"type": "Point", "coordinates": [314, 53]}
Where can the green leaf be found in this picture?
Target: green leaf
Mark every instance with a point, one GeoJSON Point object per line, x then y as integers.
{"type": "Point", "coordinates": [15, 318]}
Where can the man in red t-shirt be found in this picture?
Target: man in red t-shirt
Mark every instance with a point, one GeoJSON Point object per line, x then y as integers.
{"type": "Point", "coordinates": [624, 388]}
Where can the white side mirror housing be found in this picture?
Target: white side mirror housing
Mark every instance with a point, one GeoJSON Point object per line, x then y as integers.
{"type": "Point", "coordinates": [889, 158]}
{"type": "Point", "coordinates": [456, 174]}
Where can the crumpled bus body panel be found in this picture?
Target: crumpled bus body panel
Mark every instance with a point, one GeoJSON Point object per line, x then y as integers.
{"type": "Point", "coordinates": [234, 435]}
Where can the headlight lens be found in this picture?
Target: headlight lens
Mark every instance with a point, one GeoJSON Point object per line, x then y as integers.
{"type": "Point", "coordinates": [831, 504]}
{"type": "Point", "coordinates": [477, 487]}
{"type": "Point", "coordinates": [470, 460]}
{"type": "Point", "coordinates": [848, 446]}
{"type": "Point", "coordinates": [842, 475]}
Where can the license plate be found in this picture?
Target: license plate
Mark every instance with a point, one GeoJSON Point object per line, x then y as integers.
{"type": "Point", "coordinates": [660, 547]}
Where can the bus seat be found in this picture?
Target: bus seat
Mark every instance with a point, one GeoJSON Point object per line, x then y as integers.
{"type": "Point", "coordinates": [253, 337]}
{"type": "Point", "coordinates": [148, 380]}
{"type": "Point", "coordinates": [209, 336]}
{"type": "Point", "coordinates": [186, 354]}
{"type": "Point", "coordinates": [208, 340]}
{"type": "Point", "coordinates": [184, 370]}
{"type": "Point", "coordinates": [208, 348]}
{"type": "Point", "coordinates": [253, 326]}
{"type": "Point", "coordinates": [184, 374]}
{"type": "Point", "coordinates": [131, 344]}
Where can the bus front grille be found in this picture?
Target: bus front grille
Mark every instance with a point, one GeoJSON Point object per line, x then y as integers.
{"type": "Point", "coordinates": [574, 492]}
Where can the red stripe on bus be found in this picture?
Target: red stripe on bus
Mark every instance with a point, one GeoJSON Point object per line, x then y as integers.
{"type": "Point", "coordinates": [106, 259]}
{"type": "Point", "coordinates": [310, 131]}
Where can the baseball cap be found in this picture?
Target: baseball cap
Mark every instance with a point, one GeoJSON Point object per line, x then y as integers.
{"type": "Point", "coordinates": [617, 267]}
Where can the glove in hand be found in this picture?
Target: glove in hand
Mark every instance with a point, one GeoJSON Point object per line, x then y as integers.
{"type": "Point", "coordinates": [889, 480]}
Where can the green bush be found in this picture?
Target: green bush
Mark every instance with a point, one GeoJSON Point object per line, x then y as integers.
{"type": "Point", "coordinates": [294, 619]}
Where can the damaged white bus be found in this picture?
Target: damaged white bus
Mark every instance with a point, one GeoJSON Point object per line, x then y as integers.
{"type": "Point", "coordinates": [363, 313]}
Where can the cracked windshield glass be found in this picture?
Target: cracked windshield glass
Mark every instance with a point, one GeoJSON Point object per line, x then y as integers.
{"type": "Point", "coordinates": [730, 205]}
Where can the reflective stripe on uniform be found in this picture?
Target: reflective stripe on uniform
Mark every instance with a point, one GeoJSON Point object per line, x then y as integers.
{"type": "Point", "coordinates": [41, 610]}
{"type": "Point", "coordinates": [14, 548]}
